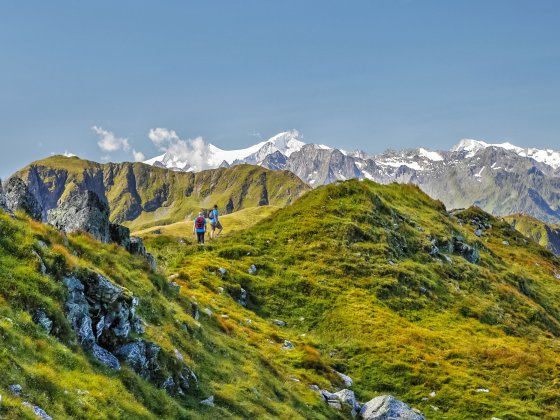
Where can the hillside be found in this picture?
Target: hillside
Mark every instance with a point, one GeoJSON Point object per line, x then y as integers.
{"type": "Point", "coordinates": [458, 315]}
{"type": "Point", "coordinates": [141, 196]}
{"type": "Point", "coordinates": [548, 236]}
{"type": "Point", "coordinates": [192, 352]}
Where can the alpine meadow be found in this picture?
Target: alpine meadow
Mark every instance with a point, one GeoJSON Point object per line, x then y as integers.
{"type": "Point", "coordinates": [296, 210]}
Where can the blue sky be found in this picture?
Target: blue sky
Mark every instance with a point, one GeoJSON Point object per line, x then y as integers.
{"type": "Point", "coordinates": [359, 74]}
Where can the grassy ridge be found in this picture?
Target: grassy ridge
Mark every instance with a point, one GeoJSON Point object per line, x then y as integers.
{"type": "Point", "coordinates": [142, 196]}
{"type": "Point", "coordinates": [351, 267]}
{"type": "Point", "coordinates": [547, 236]}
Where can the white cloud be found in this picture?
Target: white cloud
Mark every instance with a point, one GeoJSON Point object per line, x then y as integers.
{"type": "Point", "coordinates": [162, 136]}
{"type": "Point", "coordinates": [193, 153]}
{"type": "Point", "coordinates": [138, 156]}
{"type": "Point", "coordinates": [108, 142]}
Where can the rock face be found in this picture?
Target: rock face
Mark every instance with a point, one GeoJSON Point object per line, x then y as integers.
{"type": "Point", "coordinates": [387, 407]}
{"type": "Point", "coordinates": [120, 235]}
{"type": "Point", "coordinates": [19, 198]}
{"type": "Point", "coordinates": [103, 315]}
{"type": "Point", "coordinates": [2, 198]}
{"type": "Point", "coordinates": [83, 211]}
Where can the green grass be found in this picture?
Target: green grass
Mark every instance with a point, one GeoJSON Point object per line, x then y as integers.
{"type": "Point", "coordinates": [349, 266]}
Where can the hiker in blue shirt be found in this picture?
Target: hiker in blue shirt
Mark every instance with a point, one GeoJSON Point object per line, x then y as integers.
{"type": "Point", "coordinates": [199, 228]}
{"type": "Point", "coordinates": [214, 222]}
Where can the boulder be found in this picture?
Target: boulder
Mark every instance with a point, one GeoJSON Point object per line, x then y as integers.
{"type": "Point", "coordinates": [141, 356]}
{"type": "Point", "coordinates": [19, 198]}
{"type": "Point", "coordinates": [243, 297]}
{"type": "Point", "coordinates": [82, 211]}
{"type": "Point", "coordinates": [120, 235]}
{"type": "Point", "coordinates": [38, 411]}
{"type": "Point", "coordinates": [16, 389]}
{"type": "Point", "coordinates": [346, 379]}
{"type": "Point", "coordinates": [208, 401]}
{"type": "Point", "coordinates": [279, 322]}
{"type": "Point", "coordinates": [252, 269]}
{"type": "Point", "coordinates": [41, 318]}
{"type": "Point", "coordinates": [105, 357]}
{"type": "Point", "coordinates": [137, 246]}
{"type": "Point", "coordinates": [387, 407]}
{"type": "Point", "coordinates": [288, 345]}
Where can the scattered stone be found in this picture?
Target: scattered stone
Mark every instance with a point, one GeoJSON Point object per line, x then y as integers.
{"type": "Point", "coordinates": [288, 345]}
{"type": "Point", "coordinates": [478, 232]}
{"type": "Point", "coordinates": [208, 401]}
{"type": "Point", "coordinates": [248, 321]}
{"type": "Point", "coordinates": [279, 323]}
{"type": "Point", "coordinates": [178, 355]}
{"type": "Point", "coordinates": [432, 394]}
{"type": "Point", "coordinates": [141, 356]}
{"type": "Point", "coordinates": [208, 311]}
{"type": "Point", "coordinates": [482, 390]}
{"type": "Point", "coordinates": [105, 357]}
{"type": "Point", "coordinates": [391, 262]}
{"type": "Point", "coordinates": [252, 269]}
{"type": "Point", "coordinates": [175, 287]}
{"type": "Point", "coordinates": [42, 266]}
{"type": "Point", "coordinates": [346, 379]}
{"type": "Point", "coordinates": [39, 412]}
{"type": "Point", "coordinates": [347, 397]}
{"type": "Point", "coordinates": [224, 316]}
{"type": "Point", "coordinates": [315, 388]}
{"type": "Point", "coordinates": [120, 235]}
{"type": "Point", "coordinates": [19, 198]}
{"type": "Point", "coordinates": [505, 242]}
{"type": "Point", "coordinates": [387, 407]}
{"type": "Point", "coordinates": [221, 289]}
{"type": "Point", "coordinates": [16, 389]}
{"type": "Point", "coordinates": [448, 258]}
{"type": "Point", "coordinates": [335, 404]}
{"type": "Point", "coordinates": [222, 271]}
{"type": "Point", "coordinates": [41, 318]}
{"type": "Point", "coordinates": [433, 407]}
{"type": "Point", "coordinates": [82, 211]}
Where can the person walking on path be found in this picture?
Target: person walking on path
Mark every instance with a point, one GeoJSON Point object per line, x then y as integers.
{"type": "Point", "coordinates": [199, 228]}
{"type": "Point", "coordinates": [214, 222]}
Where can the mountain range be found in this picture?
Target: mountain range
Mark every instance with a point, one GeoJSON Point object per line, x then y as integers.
{"type": "Point", "coordinates": [500, 178]}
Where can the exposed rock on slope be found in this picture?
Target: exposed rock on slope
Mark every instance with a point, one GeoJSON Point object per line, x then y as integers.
{"type": "Point", "coordinates": [82, 211]}
{"type": "Point", "coordinates": [19, 198]}
{"type": "Point", "coordinates": [2, 197]}
{"type": "Point", "coordinates": [140, 195]}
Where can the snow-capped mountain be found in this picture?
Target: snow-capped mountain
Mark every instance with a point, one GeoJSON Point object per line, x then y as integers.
{"type": "Point", "coordinates": [501, 178]}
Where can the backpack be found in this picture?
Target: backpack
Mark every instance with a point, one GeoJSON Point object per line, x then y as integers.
{"type": "Point", "coordinates": [211, 215]}
{"type": "Point", "coordinates": [199, 223]}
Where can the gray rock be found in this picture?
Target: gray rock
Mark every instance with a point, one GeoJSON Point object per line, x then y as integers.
{"type": "Point", "coordinates": [222, 271]}
{"type": "Point", "coordinates": [82, 211]}
{"type": "Point", "coordinates": [346, 379]}
{"type": "Point", "coordinates": [315, 388]}
{"type": "Point", "coordinates": [77, 311]}
{"type": "Point", "coordinates": [347, 397]}
{"type": "Point", "coordinates": [39, 412]}
{"type": "Point", "coordinates": [3, 205]}
{"type": "Point", "coordinates": [387, 407]}
{"type": "Point", "coordinates": [120, 235]}
{"type": "Point", "coordinates": [152, 262]}
{"type": "Point", "coordinates": [279, 323]}
{"type": "Point", "coordinates": [288, 345]}
{"type": "Point", "coordinates": [16, 389]}
{"type": "Point", "coordinates": [141, 356]}
{"type": "Point", "coordinates": [478, 232]}
{"type": "Point", "coordinates": [335, 404]}
{"type": "Point", "coordinates": [19, 198]}
{"type": "Point", "coordinates": [41, 318]}
{"type": "Point", "coordinates": [252, 269]}
{"type": "Point", "coordinates": [208, 401]}
{"type": "Point", "coordinates": [100, 289]}
{"type": "Point", "coordinates": [137, 246]}
{"type": "Point", "coordinates": [105, 357]}
{"type": "Point", "coordinates": [243, 297]}
{"type": "Point", "coordinates": [42, 266]}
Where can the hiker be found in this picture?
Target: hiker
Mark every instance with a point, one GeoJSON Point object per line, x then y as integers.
{"type": "Point", "coordinates": [214, 222]}
{"type": "Point", "coordinates": [199, 227]}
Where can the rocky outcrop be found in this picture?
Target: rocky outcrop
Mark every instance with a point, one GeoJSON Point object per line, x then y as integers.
{"type": "Point", "coordinates": [2, 198]}
{"type": "Point", "coordinates": [137, 247]}
{"type": "Point", "coordinates": [387, 407]}
{"type": "Point", "coordinates": [82, 211]}
{"type": "Point", "coordinates": [103, 316]}
{"type": "Point", "coordinates": [19, 198]}
{"type": "Point", "coordinates": [120, 235]}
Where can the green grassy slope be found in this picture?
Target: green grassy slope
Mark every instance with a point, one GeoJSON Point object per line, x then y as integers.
{"type": "Point", "coordinates": [545, 235]}
{"type": "Point", "coordinates": [141, 196]}
{"type": "Point", "coordinates": [233, 222]}
{"type": "Point", "coordinates": [239, 361]}
{"type": "Point", "coordinates": [353, 269]}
